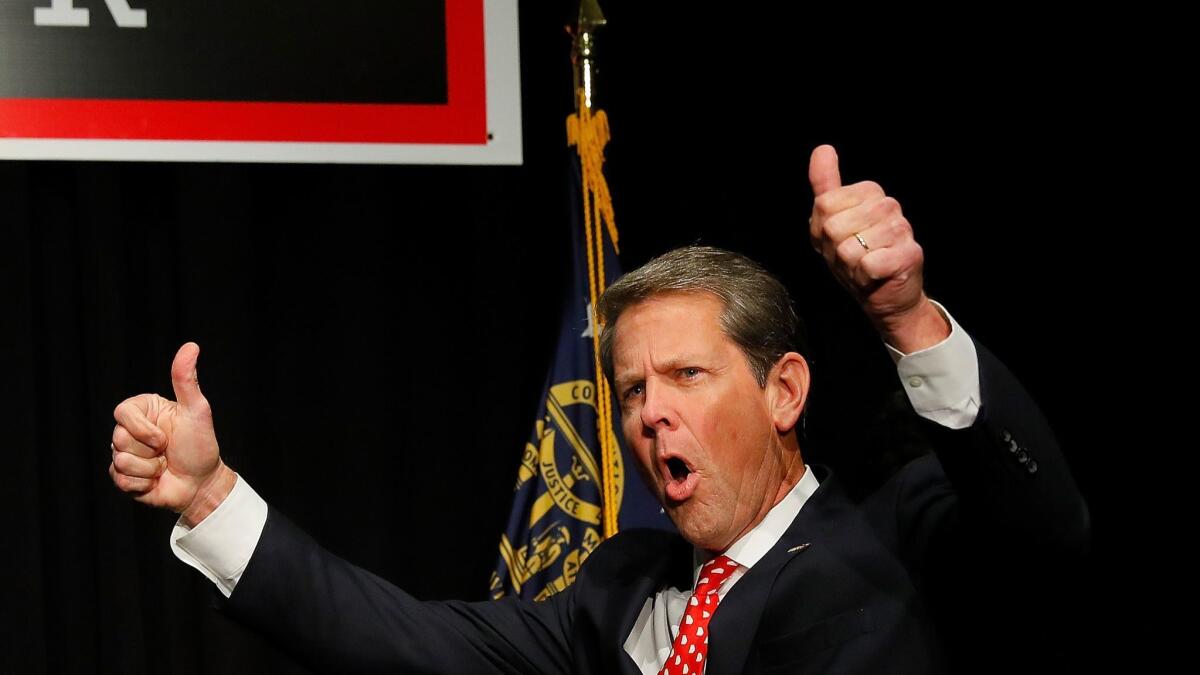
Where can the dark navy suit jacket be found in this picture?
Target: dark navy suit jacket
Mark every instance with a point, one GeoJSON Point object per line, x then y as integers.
{"type": "Point", "coordinates": [845, 590]}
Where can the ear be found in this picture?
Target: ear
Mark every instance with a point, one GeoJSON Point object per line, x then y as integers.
{"type": "Point", "coordinates": [787, 390]}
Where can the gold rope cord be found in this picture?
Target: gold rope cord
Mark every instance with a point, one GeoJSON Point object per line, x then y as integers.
{"type": "Point", "coordinates": [588, 132]}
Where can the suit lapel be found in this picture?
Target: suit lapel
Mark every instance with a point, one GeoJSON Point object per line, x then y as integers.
{"type": "Point", "coordinates": [735, 624]}
{"type": "Point", "coordinates": [672, 569]}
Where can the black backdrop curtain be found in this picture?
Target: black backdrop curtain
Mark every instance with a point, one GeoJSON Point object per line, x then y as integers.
{"type": "Point", "coordinates": [374, 338]}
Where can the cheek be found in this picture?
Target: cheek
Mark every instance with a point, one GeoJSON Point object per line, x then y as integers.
{"type": "Point", "coordinates": [723, 425]}
{"type": "Point", "coordinates": [735, 435]}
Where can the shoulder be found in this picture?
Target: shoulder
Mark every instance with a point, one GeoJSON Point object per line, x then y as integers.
{"type": "Point", "coordinates": [635, 553]}
{"type": "Point", "coordinates": [638, 544]}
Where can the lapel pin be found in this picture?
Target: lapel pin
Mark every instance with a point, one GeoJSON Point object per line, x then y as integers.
{"type": "Point", "coordinates": [797, 549]}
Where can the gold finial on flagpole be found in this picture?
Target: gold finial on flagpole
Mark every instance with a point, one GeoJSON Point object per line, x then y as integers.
{"type": "Point", "coordinates": [584, 46]}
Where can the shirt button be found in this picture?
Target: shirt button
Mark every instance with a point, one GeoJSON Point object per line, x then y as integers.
{"type": "Point", "coordinates": [914, 382]}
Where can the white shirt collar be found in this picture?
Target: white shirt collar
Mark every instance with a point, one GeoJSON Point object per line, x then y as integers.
{"type": "Point", "coordinates": [752, 546]}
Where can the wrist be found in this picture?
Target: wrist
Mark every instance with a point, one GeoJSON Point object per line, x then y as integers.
{"type": "Point", "coordinates": [209, 495]}
{"type": "Point", "coordinates": [918, 328]}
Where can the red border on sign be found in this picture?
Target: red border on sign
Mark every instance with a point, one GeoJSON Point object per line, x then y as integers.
{"type": "Point", "coordinates": [462, 120]}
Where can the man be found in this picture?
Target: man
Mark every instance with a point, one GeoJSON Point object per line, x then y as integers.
{"type": "Point", "coordinates": [701, 347]}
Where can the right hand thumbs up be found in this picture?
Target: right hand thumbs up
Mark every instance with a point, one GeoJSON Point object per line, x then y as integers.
{"type": "Point", "coordinates": [184, 378]}
{"type": "Point", "coordinates": [165, 452]}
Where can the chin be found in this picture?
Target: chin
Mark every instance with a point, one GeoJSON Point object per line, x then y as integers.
{"type": "Point", "coordinates": [694, 529]}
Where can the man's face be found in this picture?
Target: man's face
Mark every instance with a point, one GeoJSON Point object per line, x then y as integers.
{"type": "Point", "coordinates": [697, 421]}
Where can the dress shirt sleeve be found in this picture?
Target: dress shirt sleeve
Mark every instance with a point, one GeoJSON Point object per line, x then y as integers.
{"type": "Point", "coordinates": [942, 381]}
{"type": "Point", "coordinates": [221, 544]}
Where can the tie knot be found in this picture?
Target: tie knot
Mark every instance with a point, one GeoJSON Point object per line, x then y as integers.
{"type": "Point", "coordinates": [714, 573]}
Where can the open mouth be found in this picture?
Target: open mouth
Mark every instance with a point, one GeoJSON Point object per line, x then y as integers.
{"type": "Point", "coordinates": [678, 469]}
{"type": "Point", "coordinates": [681, 480]}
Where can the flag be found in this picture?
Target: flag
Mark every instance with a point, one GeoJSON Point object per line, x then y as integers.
{"type": "Point", "coordinates": [576, 484]}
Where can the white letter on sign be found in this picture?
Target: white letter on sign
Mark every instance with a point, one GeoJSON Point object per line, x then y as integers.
{"type": "Point", "coordinates": [64, 13]}
{"type": "Point", "coordinates": [124, 16]}
{"type": "Point", "coordinates": [60, 13]}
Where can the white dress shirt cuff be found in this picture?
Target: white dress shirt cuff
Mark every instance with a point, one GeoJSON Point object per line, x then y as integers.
{"type": "Point", "coordinates": [942, 381]}
{"type": "Point", "coordinates": [221, 545]}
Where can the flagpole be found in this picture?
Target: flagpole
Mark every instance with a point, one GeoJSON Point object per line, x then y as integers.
{"type": "Point", "coordinates": [588, 132]}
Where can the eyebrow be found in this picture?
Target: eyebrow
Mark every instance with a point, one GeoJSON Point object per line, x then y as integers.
{"type": "Point", "coordinates": [679, 362]}
{"type": "Point", "coordinates": [676, 363]}
{"type": "Point", "coordinates": [624, 381]}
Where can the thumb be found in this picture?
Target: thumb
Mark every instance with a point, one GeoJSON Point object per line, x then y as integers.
{"type": "Point", "coordinates": [184, 378]}
{"type": "Point", "coordinates": [823, 170]}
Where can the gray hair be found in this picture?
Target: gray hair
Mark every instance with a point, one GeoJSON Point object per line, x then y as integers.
{"type": "Point", "coordinates": [757, 312]}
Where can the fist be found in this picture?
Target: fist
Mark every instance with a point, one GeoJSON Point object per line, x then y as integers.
{"type": "Point", "coordinates": [164, 452]}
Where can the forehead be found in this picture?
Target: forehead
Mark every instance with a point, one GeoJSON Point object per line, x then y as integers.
{"type": "Point", "coordinates": [670, 324]}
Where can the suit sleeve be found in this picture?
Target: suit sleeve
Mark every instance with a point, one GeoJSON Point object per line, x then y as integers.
{"type": "Point", "coordinates": [1001, 480]}
{"type": "Point", "coordinates": [339, 618]}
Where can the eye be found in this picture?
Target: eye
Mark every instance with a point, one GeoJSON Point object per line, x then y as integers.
{"type": "Point", "coordinates": [634, 390]}
{"type": "Point", "coordinates": [689, 373]}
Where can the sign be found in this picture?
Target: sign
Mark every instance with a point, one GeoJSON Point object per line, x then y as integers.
{"type": "Point", "coordinates": [362, 81]}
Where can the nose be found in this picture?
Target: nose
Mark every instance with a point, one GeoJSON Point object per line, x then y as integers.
{"type": "Point", "coordinates": [658, 409]}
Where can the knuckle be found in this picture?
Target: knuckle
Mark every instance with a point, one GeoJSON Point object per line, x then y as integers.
{"type": "Point", "coordinates": [918, 253]}
{"type": "Point", "coordinates": [873, 271]}
{"type": "Point", "coordinates": [870, 187]}
{"type": "Point", "coordinates": [845, 250]}
{"type": "Point", "coordinates": [830, 228]}
{"type": "Point", "coordinates": [123, 461]}
{"type": "Point", "coordinates": [823, 204]}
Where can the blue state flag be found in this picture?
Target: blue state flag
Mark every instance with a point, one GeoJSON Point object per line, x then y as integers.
{"type": "Point", "coordinates": [567, 497]}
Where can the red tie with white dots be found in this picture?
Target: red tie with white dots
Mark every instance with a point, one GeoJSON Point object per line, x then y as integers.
{"type": "Point", "coordinates": [689, 652]}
